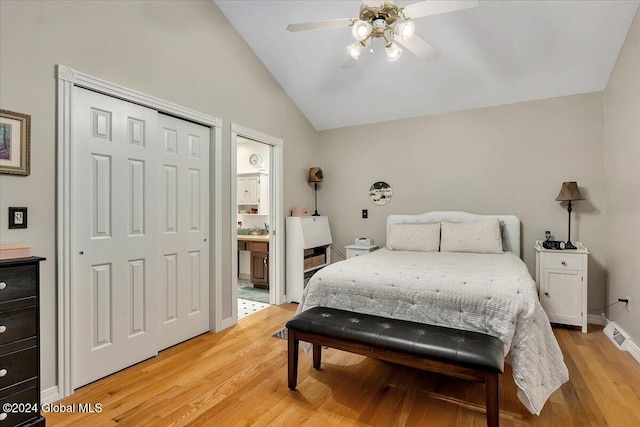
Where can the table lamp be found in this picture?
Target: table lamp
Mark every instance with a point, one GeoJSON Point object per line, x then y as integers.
{"type": "Point", "coordinates": [568, 193]}
{"type": "Point", "coordinates": [315, 176]}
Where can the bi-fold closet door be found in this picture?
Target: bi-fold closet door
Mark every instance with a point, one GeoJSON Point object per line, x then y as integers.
{"type": "Point", "coordinates": [140, 215]}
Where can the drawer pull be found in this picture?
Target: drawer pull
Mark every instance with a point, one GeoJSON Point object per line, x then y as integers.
{"type": "Point", "coordinates": [3, 329]}
{"type": "Point", "coordinates": [564, 263]}
{"type": "Point", "coordinates": [3, 416]}
{"type": "Point", "coordinates": [3, 285]}
{"type": "Point", "coordinates": [3, 372]}
{"type": "Point", "coordinates": [546, 293]}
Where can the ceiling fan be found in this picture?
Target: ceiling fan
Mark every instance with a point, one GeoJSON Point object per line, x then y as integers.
{"type": "Point", "coordinates": [386, 20]}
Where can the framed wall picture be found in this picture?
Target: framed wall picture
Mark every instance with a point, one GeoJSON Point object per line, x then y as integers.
{"type": "Point", "coordinates": [15, 143]}
{"type": "Point", "coordinates": [380, 193]}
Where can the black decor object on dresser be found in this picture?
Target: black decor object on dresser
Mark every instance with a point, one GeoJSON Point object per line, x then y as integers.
{"type": "Point", "coordinates": [20, 342]}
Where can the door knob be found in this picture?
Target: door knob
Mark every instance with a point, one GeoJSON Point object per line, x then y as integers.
{"type": "Point", "coordinates": [564, 263]}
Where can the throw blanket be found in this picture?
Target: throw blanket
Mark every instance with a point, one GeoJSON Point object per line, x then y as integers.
{"type": "Point", "coordinates": [488, 293]}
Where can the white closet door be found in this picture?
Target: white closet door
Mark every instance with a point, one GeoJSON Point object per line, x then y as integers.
{"type": "Point", "coordinates": [183, 242]}
{"type": "Point", "coordinates": [115, 235]}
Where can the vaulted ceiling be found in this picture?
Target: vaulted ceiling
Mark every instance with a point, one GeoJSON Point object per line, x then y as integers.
{"type": "Point", "coordinates": [499, 52]}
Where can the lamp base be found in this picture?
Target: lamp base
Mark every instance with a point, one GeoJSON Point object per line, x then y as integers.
{"type": "Point", "coordinates": [315, 214]}
{"type": "Point", "coordinates": [569, 245]}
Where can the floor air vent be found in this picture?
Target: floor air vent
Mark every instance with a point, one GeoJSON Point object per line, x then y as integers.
{"type": "Point", "coordinates": [616, 335]}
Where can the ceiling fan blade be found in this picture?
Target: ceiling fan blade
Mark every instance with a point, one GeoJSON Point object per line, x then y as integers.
{"type": "Point", "coordinates": [349, 62]}
{"type": "Point", "coordinates": [434, 7]}
{"type": "Point", "coordinates": [419, 47]}
{"type": "Point", "coordinates": [333, 23]}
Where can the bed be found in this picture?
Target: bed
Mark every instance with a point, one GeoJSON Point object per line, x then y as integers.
{"type": "Point", "coordinates": [492, 293]}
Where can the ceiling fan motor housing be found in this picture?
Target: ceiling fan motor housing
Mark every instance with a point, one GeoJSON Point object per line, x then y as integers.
{"type": "Point", "coordinates": [380, 17]}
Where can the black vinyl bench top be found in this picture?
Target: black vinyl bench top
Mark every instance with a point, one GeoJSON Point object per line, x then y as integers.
{"type": "Point", "coordinates": [465, 348]}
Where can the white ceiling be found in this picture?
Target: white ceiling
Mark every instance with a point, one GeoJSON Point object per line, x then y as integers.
{"type": "Point", "coordinates": [500, 52]}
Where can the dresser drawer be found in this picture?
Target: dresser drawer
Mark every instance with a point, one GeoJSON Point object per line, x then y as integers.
{"type": "Point", "coordinates": [258, 246]}
{"type": "Point", "coordinates": [18, 366]}
{"type": "Point", "coordinates": [563, 261]}
{"type": "Point", "coordinates": [29, 399]}
{"type": "Point", "coordinates": [18, 324]}
{"type": "Point", "coordinates": [18, 282]}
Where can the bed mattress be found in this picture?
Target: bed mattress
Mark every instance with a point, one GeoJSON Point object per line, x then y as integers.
{"type": "Point", "coordinates": [488, 293]}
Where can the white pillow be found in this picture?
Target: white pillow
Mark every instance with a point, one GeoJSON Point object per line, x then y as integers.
{"type": "Point", "coordinates": [414, 237]}
{"type": "Point", "coordinates": [481, 237]}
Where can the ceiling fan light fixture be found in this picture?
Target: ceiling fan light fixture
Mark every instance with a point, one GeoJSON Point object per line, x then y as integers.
{"type": "Point", "coordinates": [406, 30]}
{"type": "Point", "coordinates": [361, 30]}
{"type": "Point", "coordinates": [393, 52]}
{"type": "Point", "coordinates": [355, 49]}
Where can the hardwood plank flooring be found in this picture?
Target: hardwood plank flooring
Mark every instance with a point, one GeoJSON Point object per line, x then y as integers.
{"type": "Point", "coordinates": [238, 377]}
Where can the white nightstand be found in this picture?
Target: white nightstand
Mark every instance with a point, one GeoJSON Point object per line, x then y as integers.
{"type": "Point", "coordinates": [561, 276]}
{"type": "Point", "coordinates": [357, 250]}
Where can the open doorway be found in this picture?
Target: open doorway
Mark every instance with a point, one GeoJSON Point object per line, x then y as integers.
{"type": "Point", "coordinates": [253, 220]}
{"type": "Point", "coordinates": [257, 214]}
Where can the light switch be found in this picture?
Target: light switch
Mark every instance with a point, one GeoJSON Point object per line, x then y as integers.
{"type": "Point", "coordinates": [17, 217]}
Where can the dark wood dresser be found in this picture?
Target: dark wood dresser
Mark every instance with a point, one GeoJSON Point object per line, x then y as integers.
{"type": "Point", "coordinates": [20, 342]}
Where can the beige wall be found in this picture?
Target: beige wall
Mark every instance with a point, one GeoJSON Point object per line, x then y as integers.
{"type": "Point", "coordinates": [185, 52]}
{"type": "Point", "coordinates": [510, 159]}
{"type": "Point", "coordinates": [622, 181]}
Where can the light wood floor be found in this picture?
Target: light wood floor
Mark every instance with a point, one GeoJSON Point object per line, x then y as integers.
{"type": "Point", "coordinates": [239, 377]}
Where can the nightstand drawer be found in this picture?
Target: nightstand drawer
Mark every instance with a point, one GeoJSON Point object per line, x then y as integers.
{"type": "Point", "coordinates": [18, 366]}
{"type": "Point", "coordinates": [563, 261]}
{"type": "Point", "coordinates": [18, 282]}
{"type": "Point", "coordinates": [18, 324]}
{"type": "Point", "coordinates": [357, 250]}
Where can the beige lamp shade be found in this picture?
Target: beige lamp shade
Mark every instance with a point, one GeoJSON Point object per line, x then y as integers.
{"type": "Point", "coordinates": [316, 175]}
{"type": "Point", "coordinates": [569, 191]}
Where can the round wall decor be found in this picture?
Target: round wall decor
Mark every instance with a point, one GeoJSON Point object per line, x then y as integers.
{"type": "Point", "coordinates": [255, 160]}
{"type": "Point", "coordinates": [380, 193]}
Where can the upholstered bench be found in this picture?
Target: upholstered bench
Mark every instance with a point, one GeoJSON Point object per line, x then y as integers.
{"type": "Point", "coordinates": [462, 354]}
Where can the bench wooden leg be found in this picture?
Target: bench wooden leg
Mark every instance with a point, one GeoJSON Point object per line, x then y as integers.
{"type": "Point", "coordinates": [292, 359]}
{"type": "Point", "coordinates": [317, 356]}
{"type": "Point", "coordinates": [492, 384]}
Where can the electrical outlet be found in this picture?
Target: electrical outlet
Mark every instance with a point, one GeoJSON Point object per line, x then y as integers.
{"type": "Point", "coordinates": [365, 213]}
{"type": "Point", "coordinates": [626, 301]}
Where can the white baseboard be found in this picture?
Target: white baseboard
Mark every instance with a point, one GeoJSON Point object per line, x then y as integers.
{"type": "Point", "coordinates": [628, 344]}
{"type": "Point", "coordinates": [596, 319]}
{"type": "Point", "coordinates": [634, 351]}
{"type": "Point", "coordinates": [227, 323]}
{"type": "Point", "coordinates": [50, 395]}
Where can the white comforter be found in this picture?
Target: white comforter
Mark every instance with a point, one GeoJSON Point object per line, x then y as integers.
{"type": "Point", "coordinates": [492, 294]}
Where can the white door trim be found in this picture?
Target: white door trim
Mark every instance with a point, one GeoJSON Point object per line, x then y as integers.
{"type": "Point", "coordinates": [67, 78]}
{"type": "Point", "coordinates": [276, 257]}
